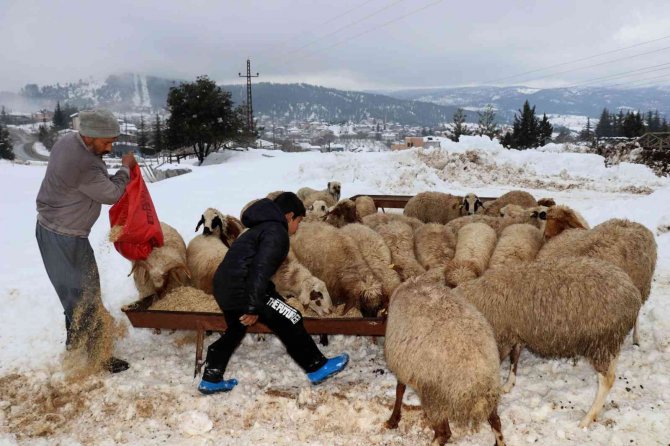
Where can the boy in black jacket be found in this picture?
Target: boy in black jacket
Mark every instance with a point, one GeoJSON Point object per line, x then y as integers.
{"type": "Point", "coordinates": [245, 293]}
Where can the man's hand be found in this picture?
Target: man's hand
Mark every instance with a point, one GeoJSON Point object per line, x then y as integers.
{"type": "Point", "coordinates": [128, 160]}
{"type": "Point", "coordinates": [248, 319]}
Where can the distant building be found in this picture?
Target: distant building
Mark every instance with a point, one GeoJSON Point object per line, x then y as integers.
{"type": "Point", "coordinates": [417, 141]}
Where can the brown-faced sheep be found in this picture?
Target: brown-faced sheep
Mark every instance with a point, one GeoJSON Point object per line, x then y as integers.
{"type": "Point", "coordinates": [333, 257]}
{"type": "Point", "coordinates": [333, 188]}
{"type": "Point", "coordinates": [365, 206]}
{"type": "Point", "coordinates": [518, 243]}
{"type": "Point", "coordinates": [376, 254]}
{"type": "Point", "coordinates": [434, 207]}
{"type": "Point", "coordinates": [434, 245]}
{"type": "Point", "coordinates": [475, 243]}
{"type": "Point", "coordinates": [441, 346]}
{"type": "Point", "coordinates": [518, 197]}
{"type": "Point", "coordinates": [343, 213]}
{"type": "Point", "coordinates": [293, 279]}
{"type": "Point", "coordinates": [559, 308]}
{"type": "Point", "coordinates": [626, 244]}
{"type": "Point", "coordinates": [226, 227]}
{"type": "Point", "coordinates": [378, 219]}
{"type": "Point", "coordinates": [399, 237]}
{"type": "Point", "coordinates": [560, 218]}
{"type": "Point", "coordinates": [165, 268]}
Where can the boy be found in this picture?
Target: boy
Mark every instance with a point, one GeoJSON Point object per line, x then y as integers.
{"type": "Point", "coordinates": [245, 293]}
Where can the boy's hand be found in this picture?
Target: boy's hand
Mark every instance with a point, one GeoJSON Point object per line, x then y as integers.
{"type": "Point", "coordinates": [248, 319]}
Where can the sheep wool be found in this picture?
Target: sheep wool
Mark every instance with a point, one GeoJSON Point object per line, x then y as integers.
{"type": "Point", "coordinates": [518, 197]}
{"type": "Point", "coordinates": [434, 245]}
{"type": "Point", "coordinates": [434, 207]}
{"type": "Point", "coordinates": [365, 206]}
{"type": "Point", "coordinates": [204, 254]}
{"type": "Point", "coordinates": [399, 237]}
{"type": "Point", "coordinates": [441, 346]}
{"type": "Point", "coordinates": [474, 247]}
{"type": "Point", "coordinates": [560, 308]}
{"type": "Point", "coordinates": [518, 243]}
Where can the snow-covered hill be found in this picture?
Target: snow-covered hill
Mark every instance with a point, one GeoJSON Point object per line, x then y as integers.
{"type": "Point", "coordinates": [156, 401]}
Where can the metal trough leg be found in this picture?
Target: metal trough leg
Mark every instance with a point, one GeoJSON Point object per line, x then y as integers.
{"type": "Point", "coordinates": [199, 341]}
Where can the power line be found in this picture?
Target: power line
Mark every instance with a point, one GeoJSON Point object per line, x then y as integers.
{"type": "Point", "coordinates": [622, 74]}
{"type": "Point", "coordinates": [332, 19]}
{"type": "Point", "coordinates": [575, 61]}
{"type": "Point", "coordinates": [641, 82]}
{"type": "Point", "coordinates": [599, 64]}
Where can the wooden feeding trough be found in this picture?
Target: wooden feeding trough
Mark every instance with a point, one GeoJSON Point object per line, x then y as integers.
{"type": "Point", "coordinates": [141, 315]}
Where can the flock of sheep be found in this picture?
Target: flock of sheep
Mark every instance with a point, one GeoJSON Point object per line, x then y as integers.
{"type": "Point", "coordinates": [463, 283]}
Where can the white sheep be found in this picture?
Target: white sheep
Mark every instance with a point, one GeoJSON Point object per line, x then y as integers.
{"type": "Point", "coordinates": [334, 258]}
{"type": "Point", "coordinates": [165, 268]}
{"type": "Point", "coordinates": [626, 244]}
{"type": "Point", "coordinates": [317, 211]}
{"type": "Point", "coordinates": [559, 308]}
{"type": "Point", "coordinates": [204, 254]}
{"type": "Point", "coordinates": [293, 279]}
{"type": "Point", "coordinates": [365, 206]}
{"type": "Point", "coordinates": [399, 237]}
{"type": "Point", "coordinates": [474, 247]}
{"type": "Point", "coordinates": [434, 245]}
{"type": "Point", "coordinates": [518, 243]}
{"type": "Point", "coordinates": [441, 346]}
{"type": "Point", "coordinates": [434, 207]}
{"type": "Point", "coordinates": [471, 204]}
{"type": "Point", "coordinates": [518, 197]}
{"type": "Point", "coordinates": [376, 254]}
{"type": "Point", "coordinates": [378, 219]}
{"type": "Point", "coordinates": [226, 227]}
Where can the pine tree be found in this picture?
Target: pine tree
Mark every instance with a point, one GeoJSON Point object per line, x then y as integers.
{"type": "Point", "coordinates": [60, 120]}
{"type": "Point", "coordinates": [586, 134]}
{"type": "Point", "coordinates": [6, 147]}
{"type": "Point", "coordinates": [4, 118]}
{"type": "Point", "coordinates": [525, 128]}
{"type": "Point", "coordinates": [487, 125]}
{"type": "Point", "coordinates": [157, 139]}
{"type": "Point", "coordinates": [605, 126]}
{"type": "Point", "coordinates": [619, 124]}
{"type": "Point", "coordinates": [458, 127]}
{"type": "Point", "coordinates": [545, 129]}
{"type": "Point", "coordinates": [633, 125]}
{"type": "Point", "coordinates": [142, 138]}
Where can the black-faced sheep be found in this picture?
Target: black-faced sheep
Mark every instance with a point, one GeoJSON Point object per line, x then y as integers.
{"type": "Point", "coordinates": [365, 206]}
{"type": "Point", "coordinates": [165, 268]}
{"type": "Point", "coordinates": [334, 258]}
{"type": "Point", "coordinates": [518, 243]}
{"type": "Point", "coordinates": [626, 244]}
{"type": "Point", "coordinates": [475, 243]}
{"type": "Point", "coordinates": [376, 254]}
{"type": "Point", "coordinates": [226, 227]}
{"type": "Point", "coordinates": [293, 279]}
{"type": "Point", "coordinates": [441, 346]}
{"type": "Point", "coordinates": [518, 197]}
{"type": "Point", "coordinates": [471, 204]}
{"type": "Point", "coordinates": [559, 308]}
{"type": "Point", "coordinates": [434, 207]}
{"type": "Point", "coordinates": [434, 245]}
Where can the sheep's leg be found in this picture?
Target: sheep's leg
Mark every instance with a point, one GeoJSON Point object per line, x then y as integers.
{"type": "Point", "coordinates": [442, 433]}
{"type": "Point", "coordinates": [605, 382]}
{"type": "Point", "coordinates": [494, 421]}
{"type": "Point", "coordinates": [392, 422]}
{"type": "Point", "coordinates": [323, 339]}
{"type": "Point", "coordinates": [636, 335]}
{"type": "Point", "coordinates": [513, 364]}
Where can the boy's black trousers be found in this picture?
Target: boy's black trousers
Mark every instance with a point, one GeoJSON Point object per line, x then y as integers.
{"type": "Point", "coordinates": [284, 321]}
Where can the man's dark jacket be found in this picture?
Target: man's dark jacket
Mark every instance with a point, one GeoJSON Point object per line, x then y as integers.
{"type": "Point", "coordinates": [242, 281]}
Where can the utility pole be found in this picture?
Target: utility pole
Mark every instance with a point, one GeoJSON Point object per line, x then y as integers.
{"type": "Point", "coordinates": [250, 112]}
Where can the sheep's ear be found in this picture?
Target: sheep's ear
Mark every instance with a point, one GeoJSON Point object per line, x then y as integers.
{"type": "Point", "coordinates": [328, 187]}
{"type": "Point", "coordinates": [200, 223]}
{"type": "Point", "coordinates": [536, 214]}
{"type": "Point", "coordinates": [572, 221]}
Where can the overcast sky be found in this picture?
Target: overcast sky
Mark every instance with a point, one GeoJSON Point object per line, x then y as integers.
{"type": "Point", "coordinates": [353, 44]}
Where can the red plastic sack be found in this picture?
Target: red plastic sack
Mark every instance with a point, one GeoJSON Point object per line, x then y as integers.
{"type": "Point", "coordinates": [136, 213]}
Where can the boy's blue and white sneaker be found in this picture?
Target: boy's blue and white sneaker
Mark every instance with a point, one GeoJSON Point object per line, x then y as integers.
{"type": "Point", "coordinates": [208, 387]}
{"type": "Point", "coordinates": [332, 367]}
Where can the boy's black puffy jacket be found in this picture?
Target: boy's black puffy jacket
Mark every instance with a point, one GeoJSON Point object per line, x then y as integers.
{"type": "Point", "coordinates": [242, 281]}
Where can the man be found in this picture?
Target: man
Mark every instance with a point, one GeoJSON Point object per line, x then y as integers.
{"type": "Point", "coordinates": [75, 186]}
{"type": "Point", "coordinates": [245, 293]}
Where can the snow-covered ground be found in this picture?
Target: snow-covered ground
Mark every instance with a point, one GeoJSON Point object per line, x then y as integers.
{"type": "Point", "coordinates": [156, 401]}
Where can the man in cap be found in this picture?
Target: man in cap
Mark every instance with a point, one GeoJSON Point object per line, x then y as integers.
{"type": "Point", "coordinates": [69, 201]}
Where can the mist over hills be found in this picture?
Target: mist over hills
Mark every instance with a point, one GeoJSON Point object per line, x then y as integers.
{"type": "Point", "coordinates": [136, 93]}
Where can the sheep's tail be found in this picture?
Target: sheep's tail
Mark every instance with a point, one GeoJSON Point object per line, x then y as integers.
{"type": "Point", "coordinates": [477, 405]}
